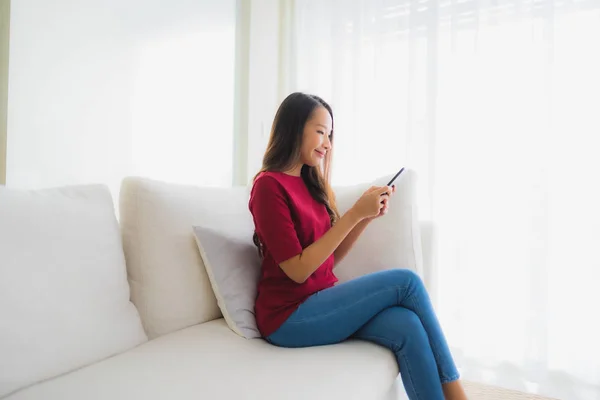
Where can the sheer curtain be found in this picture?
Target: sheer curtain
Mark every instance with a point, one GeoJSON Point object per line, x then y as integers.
{"type": "Point", "coordinates": [495, 104]}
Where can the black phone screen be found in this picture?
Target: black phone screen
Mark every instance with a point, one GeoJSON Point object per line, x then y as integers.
{"type": "Point", "coordinates": [395, 176]}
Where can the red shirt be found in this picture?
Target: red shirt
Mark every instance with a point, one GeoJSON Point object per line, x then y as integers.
{"type": "Point", "coordinates": [287, 220]}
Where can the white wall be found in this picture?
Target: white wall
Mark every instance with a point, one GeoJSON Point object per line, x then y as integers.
{"type": "Point", "coordinates": [103, 89]}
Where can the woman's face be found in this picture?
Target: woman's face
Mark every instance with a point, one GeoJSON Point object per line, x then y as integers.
{"type": "Point", "coordinates": [316, 140]}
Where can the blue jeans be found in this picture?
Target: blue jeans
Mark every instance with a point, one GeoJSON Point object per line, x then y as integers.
{"type": "Point", "coordinates": [390, 308]}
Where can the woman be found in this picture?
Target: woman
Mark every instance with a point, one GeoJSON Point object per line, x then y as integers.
{"type": "Point", "coordinates": [301, 237]}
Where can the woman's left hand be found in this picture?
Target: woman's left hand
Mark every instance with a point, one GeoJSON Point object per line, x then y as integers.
{"type": "Point", "coordinates": [384, 209]}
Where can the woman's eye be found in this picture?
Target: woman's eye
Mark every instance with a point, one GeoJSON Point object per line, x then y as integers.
{"type": "Point", "coordinates": [320, 132]}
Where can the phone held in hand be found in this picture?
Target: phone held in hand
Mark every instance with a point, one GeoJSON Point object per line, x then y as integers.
{"type": "Point", "coordinates": [393, 179]}
{"type": "Point", "coordinates": [395, 176]}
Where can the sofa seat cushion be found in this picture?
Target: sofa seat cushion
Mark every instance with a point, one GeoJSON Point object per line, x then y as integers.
{"type": "Point", "coordinates": [209, 361]}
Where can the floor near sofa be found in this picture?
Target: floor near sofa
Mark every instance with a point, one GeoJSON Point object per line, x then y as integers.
{"type": "Point", "coordinates": [477, 391]}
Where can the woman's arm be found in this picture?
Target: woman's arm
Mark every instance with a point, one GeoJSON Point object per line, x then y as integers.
{"type": "Point", "coordinates": [300, 267]}
{"type": "Point", "coordinates": [370, 205]}
{"type": "Point", "coordinates": [341, 237]}
{"type": "Point", "coordinates": [353, 236]}
{"type": "Point", "coordinates": [273, 220]}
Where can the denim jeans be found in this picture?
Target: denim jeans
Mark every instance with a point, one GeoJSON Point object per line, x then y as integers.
{"type": "Point", "coordinates": [390, 308]}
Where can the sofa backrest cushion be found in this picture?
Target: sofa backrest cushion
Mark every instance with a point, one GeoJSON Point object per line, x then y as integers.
{"type": "Point", "coordinates": [168, 280]}
{"type": "Point", "coordinates": [64, 297]}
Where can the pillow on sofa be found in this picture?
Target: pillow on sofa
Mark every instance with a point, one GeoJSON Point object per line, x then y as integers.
{"type": "Point", "coordinates": [233, 267]}
{"type": "Point", "coordinates": [64, 297]}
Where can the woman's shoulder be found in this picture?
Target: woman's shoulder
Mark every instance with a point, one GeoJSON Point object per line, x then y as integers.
{"type": "Point", "coordinates": [275, 180]}
{"type": "Point", "coordinates": [265, 183]}
{"type": "Point", "coordinates": [268, 193]}
{"type": "Point", "coordinates": [269, 185]}
{"type": "Point", "coordinates": [267, 179]}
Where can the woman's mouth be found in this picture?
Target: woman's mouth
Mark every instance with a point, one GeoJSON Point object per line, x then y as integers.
{"type": "Point", "coordinates": [320, 154]}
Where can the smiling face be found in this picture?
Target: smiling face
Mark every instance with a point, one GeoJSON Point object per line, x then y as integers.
{"type": "Point", "coordinates": [301, 135]}
{"type": "Point", "coordinates": [316, 139]}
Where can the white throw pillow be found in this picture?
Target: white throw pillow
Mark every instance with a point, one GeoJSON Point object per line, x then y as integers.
{"type": "Point", "coordinates": [233, 267]}
{"type": "Point", "coordinates": [391, 241]}
{"type": "Point", "coordinates": [64, 297]}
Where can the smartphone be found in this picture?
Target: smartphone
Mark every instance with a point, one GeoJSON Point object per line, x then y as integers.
{"type": "Point", "coordinates": [395, 176]}
{"type": "Point", "coordinates": [393, 179]}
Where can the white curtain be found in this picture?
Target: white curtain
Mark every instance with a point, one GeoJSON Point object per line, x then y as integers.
{"type": "Point", "coordinates": [496, 105]}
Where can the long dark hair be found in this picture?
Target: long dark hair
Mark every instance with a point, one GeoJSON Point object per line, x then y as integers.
{"type": "Point", "coordinates": [283, 150]}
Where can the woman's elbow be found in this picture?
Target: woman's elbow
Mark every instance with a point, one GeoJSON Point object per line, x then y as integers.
{"type": "Point", "coordinates": [294, 270]}
{"type": "Point", "coordinates": [296, 277]}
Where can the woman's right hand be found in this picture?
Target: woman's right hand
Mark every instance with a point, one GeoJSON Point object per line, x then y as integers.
{"type": "Point", "coordinates": [372, 201]}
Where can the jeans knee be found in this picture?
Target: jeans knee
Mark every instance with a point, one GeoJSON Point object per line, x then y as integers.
{"type": "Point", "coordinates": [407, 326]}
{"type": "Point", "coordinates": [410, 322]}
{"type": "Point", "coordinates": [401, 277]}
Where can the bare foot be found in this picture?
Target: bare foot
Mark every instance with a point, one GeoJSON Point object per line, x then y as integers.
{"type": "Point", "coordinates": [454, 391]}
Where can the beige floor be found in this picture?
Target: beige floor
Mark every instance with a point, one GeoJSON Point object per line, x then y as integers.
{"type": "Point", "coordinates": [477, 391]}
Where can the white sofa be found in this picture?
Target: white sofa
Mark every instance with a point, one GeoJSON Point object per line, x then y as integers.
{"type": "Point", "coordinates": [185, 349]}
